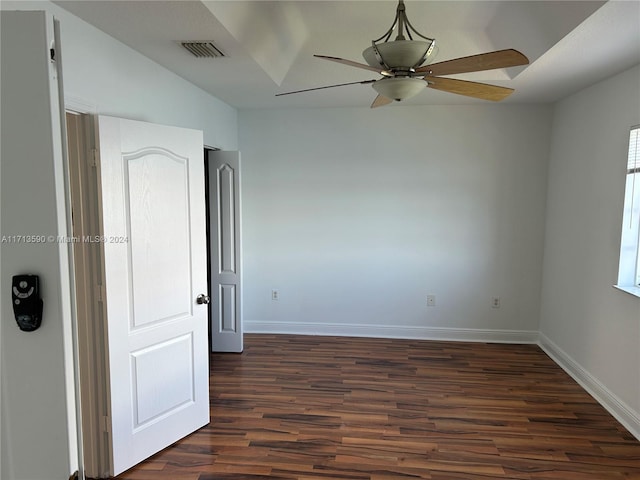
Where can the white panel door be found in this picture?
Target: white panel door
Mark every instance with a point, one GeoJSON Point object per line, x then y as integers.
{"type": "Point", "coordinates": [153, 208]}
{"type": "Point", "coordinates": [226, 251]}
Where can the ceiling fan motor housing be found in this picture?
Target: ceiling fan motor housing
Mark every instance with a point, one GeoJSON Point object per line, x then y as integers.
{"type": "Point", "coordinates": [398, 54]}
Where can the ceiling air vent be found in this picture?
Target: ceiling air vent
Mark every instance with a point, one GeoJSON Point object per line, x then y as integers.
{"type": "Point", "coordinates": [202, 49]}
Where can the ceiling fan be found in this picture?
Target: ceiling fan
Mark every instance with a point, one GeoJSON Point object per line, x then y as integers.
{"type": "Point", "coordinates": [404, 66]}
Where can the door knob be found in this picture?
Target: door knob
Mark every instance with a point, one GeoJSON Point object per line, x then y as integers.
{"type": "Point", "coordinates": [203, 299]}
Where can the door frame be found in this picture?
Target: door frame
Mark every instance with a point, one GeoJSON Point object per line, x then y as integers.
{"type": "Point", "coordinates": [88, 268]}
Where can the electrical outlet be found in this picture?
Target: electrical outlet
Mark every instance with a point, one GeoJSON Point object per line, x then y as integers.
{"type": "Point", "coordinates": [431, 300]}
{"type": "Point", "coordinates": [275, 295]}
{"type": "Point", "coordinates": [495, 302]}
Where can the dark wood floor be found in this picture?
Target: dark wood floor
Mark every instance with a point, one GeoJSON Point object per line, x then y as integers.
{"type": "Point", "coordinates": [319, 408]}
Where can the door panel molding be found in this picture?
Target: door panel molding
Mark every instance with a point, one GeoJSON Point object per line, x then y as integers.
{"type": "Point", "coordinates": [156, 244]}
{"type": "Point", "coordinates": [227, 209]}
{"type": "Point", "coordinates": [150, 366]}
{"type": "Point", "coordinates": [228, 310]}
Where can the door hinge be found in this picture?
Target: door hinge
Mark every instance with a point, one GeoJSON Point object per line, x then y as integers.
{"type": "Point", "coordinates": [100, 293]}
{"type": "Point", "coordinates": [93, 158]}
{"type": "Point", "coordinates": [106, 424]}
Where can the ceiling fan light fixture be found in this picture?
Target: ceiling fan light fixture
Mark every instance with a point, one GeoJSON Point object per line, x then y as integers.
{"type": "Point", "coordinates": [406, 66]}
{"type": "Point", "coordinates": [399, 88]}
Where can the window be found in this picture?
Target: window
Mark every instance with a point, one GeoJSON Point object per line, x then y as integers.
{"type": "Point", "coordinates": [629, 270]}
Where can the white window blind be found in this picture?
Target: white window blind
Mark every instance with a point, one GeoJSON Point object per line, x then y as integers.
{"type": "Point", "coordinates": [633, 170]}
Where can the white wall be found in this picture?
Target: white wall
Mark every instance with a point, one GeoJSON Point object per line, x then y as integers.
{"type": "Point", "coordinates": [37, 375]}
{"type": "Point", "coordinates": [590, 327]}
{"type": "Point", "coordinates": [114, 80]}
{"type": "Point", "coordinates": [356, 215]}
{"type": "Point", "coordinates": [108, 78]}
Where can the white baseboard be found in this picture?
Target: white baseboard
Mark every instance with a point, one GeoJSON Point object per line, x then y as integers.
{"type": "Point", "coordinates": [381, 331]}
{"type": "Point", "coordinates": [616, 407]}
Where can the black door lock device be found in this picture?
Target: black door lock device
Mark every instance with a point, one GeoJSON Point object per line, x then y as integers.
{"type": "Point", "coordinates": [27, 304]}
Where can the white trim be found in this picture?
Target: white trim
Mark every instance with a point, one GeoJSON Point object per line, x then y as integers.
{"type": "Point", "coordinates": [77, 105]}
{"type": "Point", "coordinates": [382, 331]}
{"type": "Point", "coordinates": [635, 291]}
{"type": "Point", "coordinates": [616, 407]}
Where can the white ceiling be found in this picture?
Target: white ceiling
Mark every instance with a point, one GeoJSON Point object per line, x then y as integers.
{"type": "Point", "coordinates": [269, 45]}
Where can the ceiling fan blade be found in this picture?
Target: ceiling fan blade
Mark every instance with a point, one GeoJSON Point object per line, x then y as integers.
{"type": "Point", "coordinates": [483, 91]}
{"type": "Point", "coordinates": [351, 63]}
{"type": "Point", "coordinates": [364, 82]}
{"type": "Point", "coordinates": [381, 101]}
{"type": "Point", "coordinates": [476, 63]}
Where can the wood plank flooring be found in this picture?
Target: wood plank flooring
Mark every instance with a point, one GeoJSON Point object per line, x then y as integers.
{"type": "Point", "coordinates": [337, 408]}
